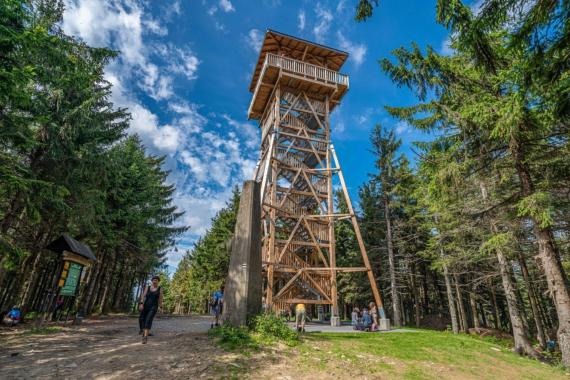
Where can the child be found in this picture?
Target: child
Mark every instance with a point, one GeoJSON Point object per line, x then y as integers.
{"type": "Point", "coordinates": [354, 315]}
{"type": "Point", "coordinates": [366, 320]}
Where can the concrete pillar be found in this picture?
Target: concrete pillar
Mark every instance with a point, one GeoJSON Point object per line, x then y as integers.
{"type": "Point", "coordinates": [384, 324]}
{"type": "Point", "coordinates": [335, 321]}
{"type": "Point", "coordinates": [242, 295]}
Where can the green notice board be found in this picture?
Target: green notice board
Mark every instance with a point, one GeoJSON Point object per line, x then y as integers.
{"type": "Point", "coordinates": [72, 280]}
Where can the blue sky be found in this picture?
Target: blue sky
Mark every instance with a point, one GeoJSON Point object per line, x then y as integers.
{"type": "Point", "coordinates": [184, 72]}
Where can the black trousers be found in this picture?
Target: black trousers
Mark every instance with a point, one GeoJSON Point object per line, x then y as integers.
{"type": "Point", "coordinates": [146, 316]}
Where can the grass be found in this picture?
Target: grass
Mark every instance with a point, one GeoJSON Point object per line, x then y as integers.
{"type": "Point", "coordinates": [419, 354]}
{"type": "Point", "coordinates": [42, 330]}
{"type": "Point", "coordinates": [413, 355]}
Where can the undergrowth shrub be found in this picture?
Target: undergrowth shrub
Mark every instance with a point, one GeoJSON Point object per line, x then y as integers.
{"type": "Point", "coordinates": [233, 337]}
{"type": "Point", "coordinates": [273, 327]}
{"type": "Point", "coordinates": [263, 329]}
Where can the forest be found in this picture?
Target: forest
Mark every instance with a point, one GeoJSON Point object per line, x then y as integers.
{"type": "Point", "coordinates": [473, 232]}
{"type": "Point", "coordinates": [67, 166]}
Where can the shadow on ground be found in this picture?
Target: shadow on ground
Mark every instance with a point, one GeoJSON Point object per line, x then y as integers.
{"type": "Point", "coordinates": [112, 349]}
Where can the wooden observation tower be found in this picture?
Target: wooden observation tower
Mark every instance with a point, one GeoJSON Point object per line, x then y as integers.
{"type": "Point", "coordinates": [295, 86]}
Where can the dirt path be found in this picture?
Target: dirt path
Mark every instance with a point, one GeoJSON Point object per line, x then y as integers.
{"type": "Point", "coordinates": [112, 349]}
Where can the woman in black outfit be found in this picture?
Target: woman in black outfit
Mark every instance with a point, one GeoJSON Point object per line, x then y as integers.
{"type": "Point", "coordinates": [151, 300]}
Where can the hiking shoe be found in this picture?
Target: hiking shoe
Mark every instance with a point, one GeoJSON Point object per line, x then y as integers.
{"type": "Point", "coordinates": [144, 339]}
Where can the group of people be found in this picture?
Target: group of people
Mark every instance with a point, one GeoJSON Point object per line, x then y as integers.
{"type": "Point", "coordinates": [365, 320]}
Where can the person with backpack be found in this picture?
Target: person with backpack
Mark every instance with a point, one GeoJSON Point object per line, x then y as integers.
{"type": "Point", "coordinates": [151, 301]}
{"type": "Point", "coordinates": [217, 304]}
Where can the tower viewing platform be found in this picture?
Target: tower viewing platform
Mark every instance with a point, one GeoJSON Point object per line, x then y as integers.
{"type": "Point", "coordinates": [297, 64]}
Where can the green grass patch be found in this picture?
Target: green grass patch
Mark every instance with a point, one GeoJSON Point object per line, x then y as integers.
{"type": "Point", "coordinates": [264, 329]}
{"type": "Point", "coordinates": [232, 338]}
{"type": "Point", "coordinates": [422, 354]}
{"type": "Point", "coordinates": [43, 330]}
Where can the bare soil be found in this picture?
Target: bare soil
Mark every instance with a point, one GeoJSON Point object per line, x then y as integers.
{"type": "Point", "coordinates": [111, 349]}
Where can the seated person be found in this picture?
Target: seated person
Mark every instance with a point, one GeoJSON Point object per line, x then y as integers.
{"type": "Point", "coordinates": [13, 317]}
{"type": "Point", "coordinates": [366, 320]}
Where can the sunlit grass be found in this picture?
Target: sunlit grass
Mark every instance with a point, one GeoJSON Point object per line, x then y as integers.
{"type": "Point", "coordinates": [421, 354]}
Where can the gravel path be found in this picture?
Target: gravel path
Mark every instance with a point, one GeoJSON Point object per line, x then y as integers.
{"type": "Point", "coordinates": [111, 349]}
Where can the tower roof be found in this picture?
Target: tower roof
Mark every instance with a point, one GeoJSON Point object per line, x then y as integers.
{"type": "Point", "coordinates": [297, 48]}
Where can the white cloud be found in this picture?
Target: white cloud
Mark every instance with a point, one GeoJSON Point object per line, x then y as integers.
{"type": "Point", "coordinates": [155, 27]}
{"type": "Point", "coordinates": [122, 26]}
{"type": "Point", "coordinates": [163, 139]}
{"type": "Point", "coordinates": [325, 18]}
{"type": "Point", "coordinates": [175, 8]}
{"type": "Point", "coordinates": [227, 6]}
{"type": "Point", "coordinates": [301, 18]}
{"type": "Point", "coordinates": [255, 39]}
{"type": "Point", "coordinates": [205, 162]}
{"type": "Point", "coordinates": [340, 6]}
{"type": "Point", "coordinates": [249, 131]}
{"type": "Point", "coordinates": [183, 62]}
{"type": "Point", "coordinates": [356, 51]}
{"type": "Point", "coordinates": [403, 127]}
{"type": "Point", "coordinates": [100, 22]}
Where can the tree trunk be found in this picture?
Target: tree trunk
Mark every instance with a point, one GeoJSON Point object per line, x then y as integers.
{"type": "Point", "coordinates": [392, 266]}
{"type": "Point", "coordinates": [450, 300]}
{"type": "Point", "coordinates": [483, 316]}
{"type": "Point", "coordinates": [496, 319]}
{"type": "Point", "coordinates": [522, 343]}
{"type": "Point", "coordinates": [461, 307]}
{"type": "Point", "coordinates": [415, 295]}
{"type": "Point", "coordinates": [555, 276]}
{"type": "Point", "coordinates": [473, 304]}
{"type": "Point", "coordinates": [425, 290]}
{"type": "Point", "coordinates": [533, 302]}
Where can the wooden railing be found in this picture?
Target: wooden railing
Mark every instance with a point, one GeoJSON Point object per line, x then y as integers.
{"type": "Point", "coordinates": [306, 69]}
{"type": "Point", "coordinates": [303, 69]}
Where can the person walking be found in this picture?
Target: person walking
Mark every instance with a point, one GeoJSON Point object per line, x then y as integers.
{"type": "Point", "coordinates": [151, 301]}
{"type": "Point", "coordinates": [217, 306]}
{"type": "Point", "coordinates": [300, 313]}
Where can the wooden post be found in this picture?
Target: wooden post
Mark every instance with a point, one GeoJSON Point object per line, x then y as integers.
{"type": "Point", "coordinates": [371, 278]}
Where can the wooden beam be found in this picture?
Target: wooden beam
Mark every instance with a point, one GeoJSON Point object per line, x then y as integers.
{"type": "Point", "coordinates": [357, 232]}
{"type": "Point", "coordinates": [305, 301]}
